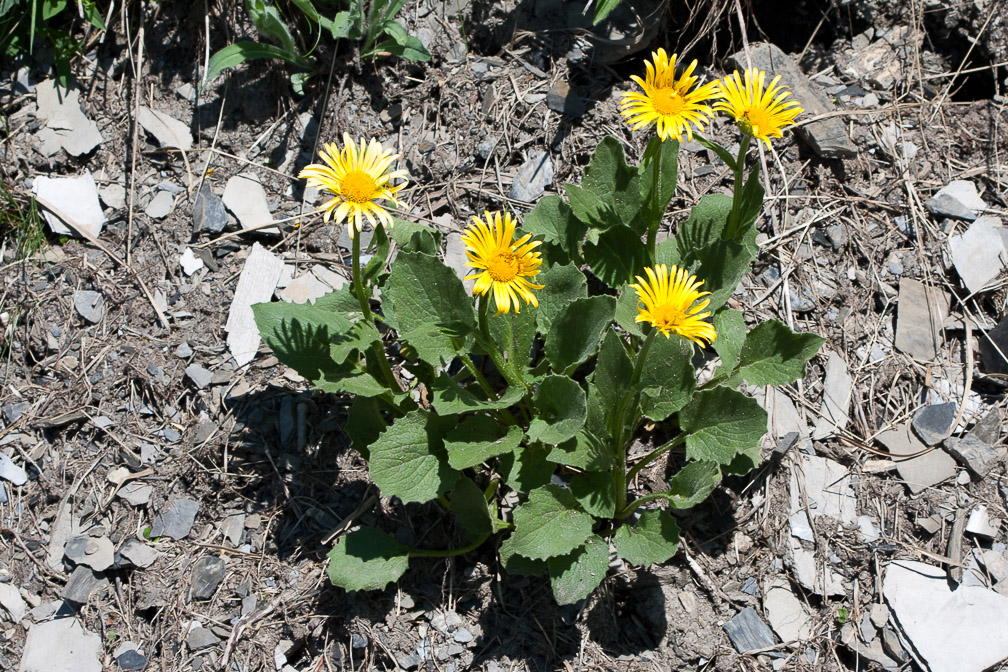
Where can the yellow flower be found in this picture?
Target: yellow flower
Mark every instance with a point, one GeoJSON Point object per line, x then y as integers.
{"type": "Point", "coordinates": [359, 178]}
{"type": "Point", "coordinates": [668, 299]}
{"type": "Point", "coordinates": [668, 102]}
{"type": "Point", "coordinates": [503, 264]}
{"type": "Point", "coordinates": [761, 113]}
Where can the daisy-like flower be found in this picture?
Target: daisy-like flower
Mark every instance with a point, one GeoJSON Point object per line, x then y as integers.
{"type": "Point", "coordinates": [667, 102]}
{"type": "Point", "coordinates": [763, 113]}
{"type": "Point", "coordinates": [670, 300]}
{"type": "Point", "coordinates": [502, 264]}
{"type": "Point", "coordinates": [360, 178]}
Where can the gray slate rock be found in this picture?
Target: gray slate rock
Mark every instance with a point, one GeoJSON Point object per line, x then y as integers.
{"type": "Point", "coordinates": [918, 322]}
{"type": "Point", "coordinates": [979, 254]}
{"type": "Point", "coordinates": [959, 199]}
{"type": "Point", "coordinates": [748, 632]}
{"type": "Point", "coordinates": [61, 645]}
{"type": "Point", "coordinates": [993, 362]}
{"type": "Point", "coordinates": [209, 213]}
{"type": "Point", "coordinates": [974, 454]}
{"type": "Point", "coordinates": [12, 412]}
{"type": "Point", "coordinates": [827, 137]}
{"type": "Point", "coordinates": [94, 552]}
{"type": "Point", "coordinates": [988, 428]}
{"type": "Point", "coordinates": [200, 376]}
{"type": "Point", "coordinates": [177, 521]}
{"type": "Point", "coordinates": [12, 472]}
{"type": "Point", "coordinates": [131, 661]}
{"type": "Point", "coordinates": [933, 423]}
{"type": "Point", "coordinates": [207, 575]}
{"type": "Point", "coordinates": [89, 304]}
{"type": "Point", "coordinates": [138, 554]}
{"type": "Point", "coordinates": [83, 581]}
{"type": "Point", "coordinates": [160, 206]}
{"type": "Point", "coordinates": [920, 472]}
{"type": "Point", "coordinates": [561, 98]}
{"type": "Point", "coordinates": [201, 638]}
{"type": "Point", "coordinates": [533, 177]}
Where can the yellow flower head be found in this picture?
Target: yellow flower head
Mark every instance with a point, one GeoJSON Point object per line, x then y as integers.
{"type": "Point", "coordinates": [669, 298]}
{"type": "Point", "coordinates": [761, 113]}
{"type": "Point", "coordinates": [503, 264]}
{"type": "Point", "coordinates": [359, 178]}
{"type": "Point", "coordinates": [668, 102]}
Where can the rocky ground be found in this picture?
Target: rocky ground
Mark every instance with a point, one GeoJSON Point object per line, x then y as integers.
{"type": "Point", "coordinates": [168, 490]}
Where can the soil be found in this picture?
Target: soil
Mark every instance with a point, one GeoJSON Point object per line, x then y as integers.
{"type": "Point", "coordinates": [257, 442]}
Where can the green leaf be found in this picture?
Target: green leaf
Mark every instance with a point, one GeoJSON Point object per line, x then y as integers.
{"type": "Point", "coordinates": [667, 252]}
{"type": "Point", "coordinates": [416, 237]}
{"type": "Point", "coordinates": [609, 191]}
{"type": "Point", "coordinates": [517, 564]}
{"type": "Point", "coordinates": [668, 380]}
{"type": "Point", "coordinates": [704, 225]}
{"type": "Point", "coordinates": [411, 49]}
{"type": "Point", "coordinates": [270, 24]}
{"type": "Point", "coordinates": [692, 485]}
{"type": "Point", "coordinates": [408, 460]}
{"type": "Point", "coordinates": [550, 523]}
{"type": "Point", "coordinates": [602, 9]}
{"type": "Point", "coordinates": [575, 333]}
{"type": "Point", "coordinates": [560, 410]}
{"type": "Point", "coordinates": [239, 52]}
{"type": "Point", "coordinates": [722, 423]}
{"type": "Point", "coordinates": [477, 439]}
{"type": "Point", "coordinates": [526, 468]}
{"type": "Point", "coordinates": [449, 397]}
{"type": "Point", "coordinates": [300, 335]}
{"type": "Point", "coordinates": [364, 424]}
{"type": "Point", "coordinates": [626, 312]}
{"type": "Point", "coordinates": [554, 220]}
{"type": "Point", "coordinates": [340, 301]}
{"type": "Point", "coordinates": [308, 9]}
{"type": "Point", "coordinates": [596, 491]}
{"type": "Point", "coordinates": [358, 337]}
{"type": "Point", "coordinates": [655, 538]}
{"type": "Point", "coordinates": [731, 333]}
{"type": "Point", "coordinates": [366, 559]}
{"type": "Point", "coordinates": [575, 575]}
{"type": "Point", "coordinates": [618, 255]}
{"type": "Point", "coordinates": [339, 26]}
{"type": "Point", "coordinates": [586, 451]}
{"type": "Point", "coordinates": [514, 326]}
{"type": "Point", "coordinates": [428, 305]}
{"type": "Point", "coordinates": [612, 377]}
{"type": "Point", "coordinates": [774, 355]}
{"type": "Point", "coordinates": [666, 153]}
{"type": "Point", "coordinates": [749, 209]}
{"type": "Point", "coordinates": [561, 286]}
{"type": "Point", "coordinates": [470, 508]}
{"type": "Point", "coordinates": [380, 245]}
{"type": "Point", "coordinates": [722, 265]}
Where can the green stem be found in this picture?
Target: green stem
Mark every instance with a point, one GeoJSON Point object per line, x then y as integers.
{"type": "Point", "coordinates": [510, 375]}
{"type": "Point", "coordinates": [362, 299]}
{"type": "Point", "coordinates": [620, 469]}
{"type": "Point", "coordinates": [446, 553]}
{"type": "Point", "coordinates": [656, 210]}
{"type": "Point", "coordinates": [477, 375]}
{"type": "Point", "coordinates": [654, 454]}
{"type": "Point", "coordinates": [733, 219]}
{"type": "Point", "coordinates": [637, 503]}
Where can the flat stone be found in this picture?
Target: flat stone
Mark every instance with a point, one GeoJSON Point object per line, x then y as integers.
{"type": "Point", "coordinates": [920, 472]}
{"type": "Point", "coordinates": [787, 615]}
{"type": "Point", "coordinates": [256, 283]}
{"type": "Point", "coordinates": [330, 278]}
{"type": "Point", "coordinates": [305, 288]}
{"type": "Point", "coordinates": [11, 600]}
{"type": "Point", "coordinates": [136, 494]}
{"type": "Point", "coordinates": [66, 125]}
{"type": "Point", "coordinates": [812, 575]}
{"type": "Point", "coordinates": [918, 322]}
{"type": "Point", "coordinates": [965, 630]}
{"type": "Point", "coordinates": [996, 564]}
{"type": "Point", "coordinates": [533, 177]}
{"type": "Point", "coordinates": [959, 199]}
{"type": "Point", "coordinates": [184, 351]}
{"type": "Point", "coordinates": [201, 638]}
{"type": "Point", "coordinates": [801, 528]}
{"type": "Point", "coordinates": [207, 574]}
{"type": "Point", "coordinates": [189, 262]}
{"type": "Point", "coordinates": [827, 486]}
{"type": "Point", "coordinates": [837, 389]}
{"type": "Point", "coordinates": [200, 376]}
{"type": "Point", "coordinates": [933, 423]}
{"type": "Point", "coordinates": [988, 428]}
{"type": "Point", "coordinates": [974, 454]}
{"type": "Point", "coordinates": [879, 614]}
{"type": "Point", "coordinates": [83, 581]}
{"type": "Point", "coordinates": [872, 651]}
{"type": "Point", "coordinates": [61, 645]}
{"type": "Point", "coordinates": [94, 552]}
{"type": "Point", "coordinates": [177, 521]}
{"type": "Point", "coordinates": [12, 472]}
{"type": "Point", "coordinates": [462, 636]}
{"type": "Point", "coordinates": [561, 98]}
{"type": "Point", "coordinates": [245, 197]}
{"type": "Point", "coordinates": [113, 195]}
{"type": "Point", "coordinates": [138, 553]}
{"type": "Point", "coordinates": [979, 254]}
{"type": "Point", "coordinates": [827, 137]}
{"type": "Point", "coordinates": [233, 527]}
{"type": "Point", "coordinates": [994, 357]}
{"type": "Point", "coordinates": [748, 632]}
{"type": "Point", "coordinates": [131, 661]}
{"type": "Point", "coordinates": [89, 304]}
{"type": "Point", "coordinates": [979, 524]}
{"type": "Point", "coordinates": [455, 257]}
{"type": "Point", "coordinates": [167, 130]}
{"type": "Point", "coordinates": [76, 198]}
{"type": "Point", "coordinates": [209, 213]}
{"type": "Point", "coordinates": [160, 206]}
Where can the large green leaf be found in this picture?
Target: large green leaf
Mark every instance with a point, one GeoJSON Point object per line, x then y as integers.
{"type": "Point", "coordinates": [774, 355]}
{"type": "Point", "coordinates": [587, 451]}
{"type": "Point", "coordinates": [561, 286]}
{"type": "Point", "coordinates": [347, 379]}
{"type": "Point", "coordinates": [667, 378]}
{"type": "Point", "coordinates": [655, 538]}
{"type": "Point", "coordinates": [470, 508]}
{"type": "Point", "coordinates": [427, 303]}
{"type": "Point", "coordinates": [514, 330]}
{"type": "Point", "coordinates": [550, 523]}
{"type": "Point", "coordinates": [366, 559]}
{"type": "Point", "coordinates": [721, 424]}
{"type": "Point", "coordinates": [449, 397]}
{"type": "Point", "coordinates": [704, 225]}
{"type": "Point", "coordinates": [575, 333]}
{"type": "Point", "coordinates": [358, 337]}
{"type": "Point", "coordinates": [627, 311]}
{"type": "Point", "coordinates": [731, 333]}
{"type": "Point", "coordinates": [526, 468]}
{"type": "Point", "coordinates": [554, 220]}
{"type": "Point", "coordinates": [575, 575]}
{"type": "Point", "coordinates": [560, 410]}
{"type": "Point", "coordinates": [721, 265]}
{"type": "Point", "coordinates": [239, 52]}
{"type": "Point", "coordinates": [270, 24]}
{"type": "Point", "coordinates": [416, 237]}
{"type": "Point", "coordinates": [750, 207]}
{"type": "Point", "coordinates": [609, 191]}
{"type": "Point", "coordinates": [477, 439]}
{"type": "Point", "coordinates": [617, 256]}
{"type": "Point", "coordinates": [518, 564]}
{"type": "Point", "coordinates": [364, 424]}
{"type": "Point", "coordinates": [612, 378]}
{"type": "Point", "coordinates": [692, 484]}
{"type": "Point", "coordinates": [300, 335]}
{"type": "Point", "coordinates": [408, 460]}
{"type": "Point", "coordinates": [596, 492]}
{"type": "Point", "coordinates": [666, 155]}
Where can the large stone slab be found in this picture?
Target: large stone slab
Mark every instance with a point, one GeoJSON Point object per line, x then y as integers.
{"type": "Point", "coordinates": [920, 313]}
{"type": "Point", "coordinates": [76, 198]}
{"type": "Point", "coordinates": [256, 283]}
{"type": "Point", "coordinates": [838, 387]}
{"type": "Point", "coordinates": [979, 254]}
{"type": "Point", "coordinates": [61, 645]}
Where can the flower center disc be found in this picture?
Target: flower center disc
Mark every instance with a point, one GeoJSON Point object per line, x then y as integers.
{"type": "Point", "coordinates": [357, 187]}
{"type": "Point", "coordinates": [503, 267]}
{"type": "Point", "coordinates": [667, 101]}
{"type": "Point", "coordinates": [665, 316]}
{"type": "Point", "coordinates": [758, 118]}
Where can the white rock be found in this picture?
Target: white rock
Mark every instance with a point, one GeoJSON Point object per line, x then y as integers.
{"type": "Point", "coordinates": [61, 645]}
{"type": "Point", "coordinates": [11, 600]}
{"type": "Point", "coordinates": [245, 197]}
{"type": "Point", "coordinates": [807, 572]}
{"type": "Point", "coordinates": [965, 630]}
{"type": "Point", "coordinates": [304, 289]}
{"type": "Point", "coordinates": [979, 254]}
{"type": "Point", "coordinates": [76, 198]}
{"type": "Point", "coordinates": [331, 278]}
{"type": "Point", "coordinates": [137, 494]}
{"type": "Point", "coordinates": [800, 526]}
{"type": "Point", "coordinates": [12, 472]}
{"type": "Point", "coordinates": [66, 125]}
{"type": "Point", "coordinates": [160, 206]}
{"type": "Point", "coordinates": [928, 468]}
{"type": "Point", "coordinates": [965, 192]}
{"type": "Point", "coordinates": [786, 614]}
{"type": "Point", "coordinates": [168, 131]}
{"type": "Point", "coordinates": [979, 523]}
{"type": "Point", "coordinates": [255, 285]}
{"type": "Point", "coordinates": [190, 262]}
{"type": "Point", "coordinates": [837, 389]}
{"type": "Point", "coordinates": [827, 485]}
{"type": "Point", "coordinates": [782, 415]}
{"type": "Point", "coordinates": [113, 195]}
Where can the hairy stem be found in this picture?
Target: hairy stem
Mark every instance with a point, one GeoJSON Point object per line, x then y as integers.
{"type": "Point", "coordinates": [733, 219]}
